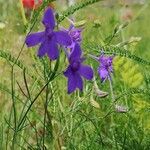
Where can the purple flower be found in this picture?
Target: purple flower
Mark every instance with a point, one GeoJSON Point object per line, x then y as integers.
{"type": "Point", "coordinates": [105, 68]}
{"type": "Point", "coordinates": [48, 39]}
{"type": "Point", "coordinates": [75, 34]}
{"type": "Point", "coordinates": [76, 69]}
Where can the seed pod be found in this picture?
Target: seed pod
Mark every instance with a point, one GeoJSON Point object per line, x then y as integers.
{"type": "Point", "coordinates": [99, 93]}
{"type": "Point", "coordinates": [121, 109]}
{"type": "Point", "coordinates": [94, 103]}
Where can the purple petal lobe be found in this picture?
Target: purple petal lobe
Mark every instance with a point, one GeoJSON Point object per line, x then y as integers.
{"type": "Point", "coordinates": [52, 51]}
{"type": "Point", "coordinates": [86, 72]}
{"type": "Point", "coordinates": [71, 80]}
{"type": "Point", "coordinates": [105, 61]}
{"type": "Point", "coordinates": [34, 39]}
{"type": "Point", "coordinates": [63, 38]}
{"type": "Point", "coordinates": [71, 84]}
{"type": "Point", "coordinates": [76, 53]}
{"type": "Point", "coordinates": [68, 72]}
{"type": "Point", "coordinates": [79, 82]}
{"type": "Point", "coordinates": [103, 73]}
{"type": "Point", "coordinates": [43, 49]}
{"type": "Point", "coordinates": [48, 19]}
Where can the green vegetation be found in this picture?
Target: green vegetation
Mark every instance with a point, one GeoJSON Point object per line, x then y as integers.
{"type": "Point", "coordinates": [35, 110]}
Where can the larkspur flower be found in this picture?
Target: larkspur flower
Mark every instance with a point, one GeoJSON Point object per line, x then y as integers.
{"type": "Point", "coordinates": [48, 39]}
{"type": "Point", "coordinates": [76, 69]}
{"type": "Point", "coordinates": [75, 34]}
{"type": "Point", "coordinates": [105, 69]}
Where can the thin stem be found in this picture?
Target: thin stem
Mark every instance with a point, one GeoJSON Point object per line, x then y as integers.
{"type": "Point", "coordinates": [14, 107]}
{"type": "Point", "coordinates": [46, 103]}
{"type": "Point", "coordinates": [7, 137]}
{"type": "Point", "coordinates": [23, 13]}
{"type": "Point", "coordinates": [45, 115]}
{"type": "Point", "coordinates": [23, 118]}
{"type": "Point", "coordinates": [113, 105]}
{"type": "Point", "coordinates": [26, 84]}
{"type": "Point", "coordinates": [50, 79]}
{"type": "Point", "coordinates": [94, 57]}
{"type": "Point", "coordinates": [111, 89]}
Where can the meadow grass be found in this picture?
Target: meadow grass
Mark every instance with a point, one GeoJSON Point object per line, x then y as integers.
{"type": "Point", "coordinates": [36, 111]}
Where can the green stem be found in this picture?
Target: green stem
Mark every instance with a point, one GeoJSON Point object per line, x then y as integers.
{"type": "Point", "coordinates": [14, 108]}
{"type": "Point", "coordinates": [23, 13]}
{"type": "Point", "coordinates": [111, 90]}
{"type": "Point", "coordinates": [113, 104]}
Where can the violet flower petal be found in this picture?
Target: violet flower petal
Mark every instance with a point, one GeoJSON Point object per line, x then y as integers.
{"type": "Point", "coordinates": [34, 38]}
{"type": "Point", "coordinates": [71, 80]}
{"type": "Point", "coordinates": [43, 49]}
{"type": "Point", "coordinates": [79, 81]}
{"type": "Point", "coordinates": [76, 53]}
{"type": "Point", "coordinates": [52, 50]}
{"type": "Point", "coordinates": [68, 72]}
{"type": "Point", "coordinates": [86, 72]}
{"type": "Point", "coordinates": [48, 19]}
{"type": "Point", "coordinates": [103, 73]}
{"type": "Point", "coordinates": [62, 38]}
{"type": "Point", "coordinates": [71, 84]}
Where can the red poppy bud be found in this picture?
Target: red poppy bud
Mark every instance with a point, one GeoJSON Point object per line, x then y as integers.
{"type": "Point", "coordinates": [31, 4]}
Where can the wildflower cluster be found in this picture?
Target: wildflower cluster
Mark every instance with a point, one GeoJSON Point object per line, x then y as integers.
{"type": "Point", "coordinates": [70, 39]}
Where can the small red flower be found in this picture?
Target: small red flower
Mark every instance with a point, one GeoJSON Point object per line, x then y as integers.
{"type": "Point", "coordinates": [31, 4]}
